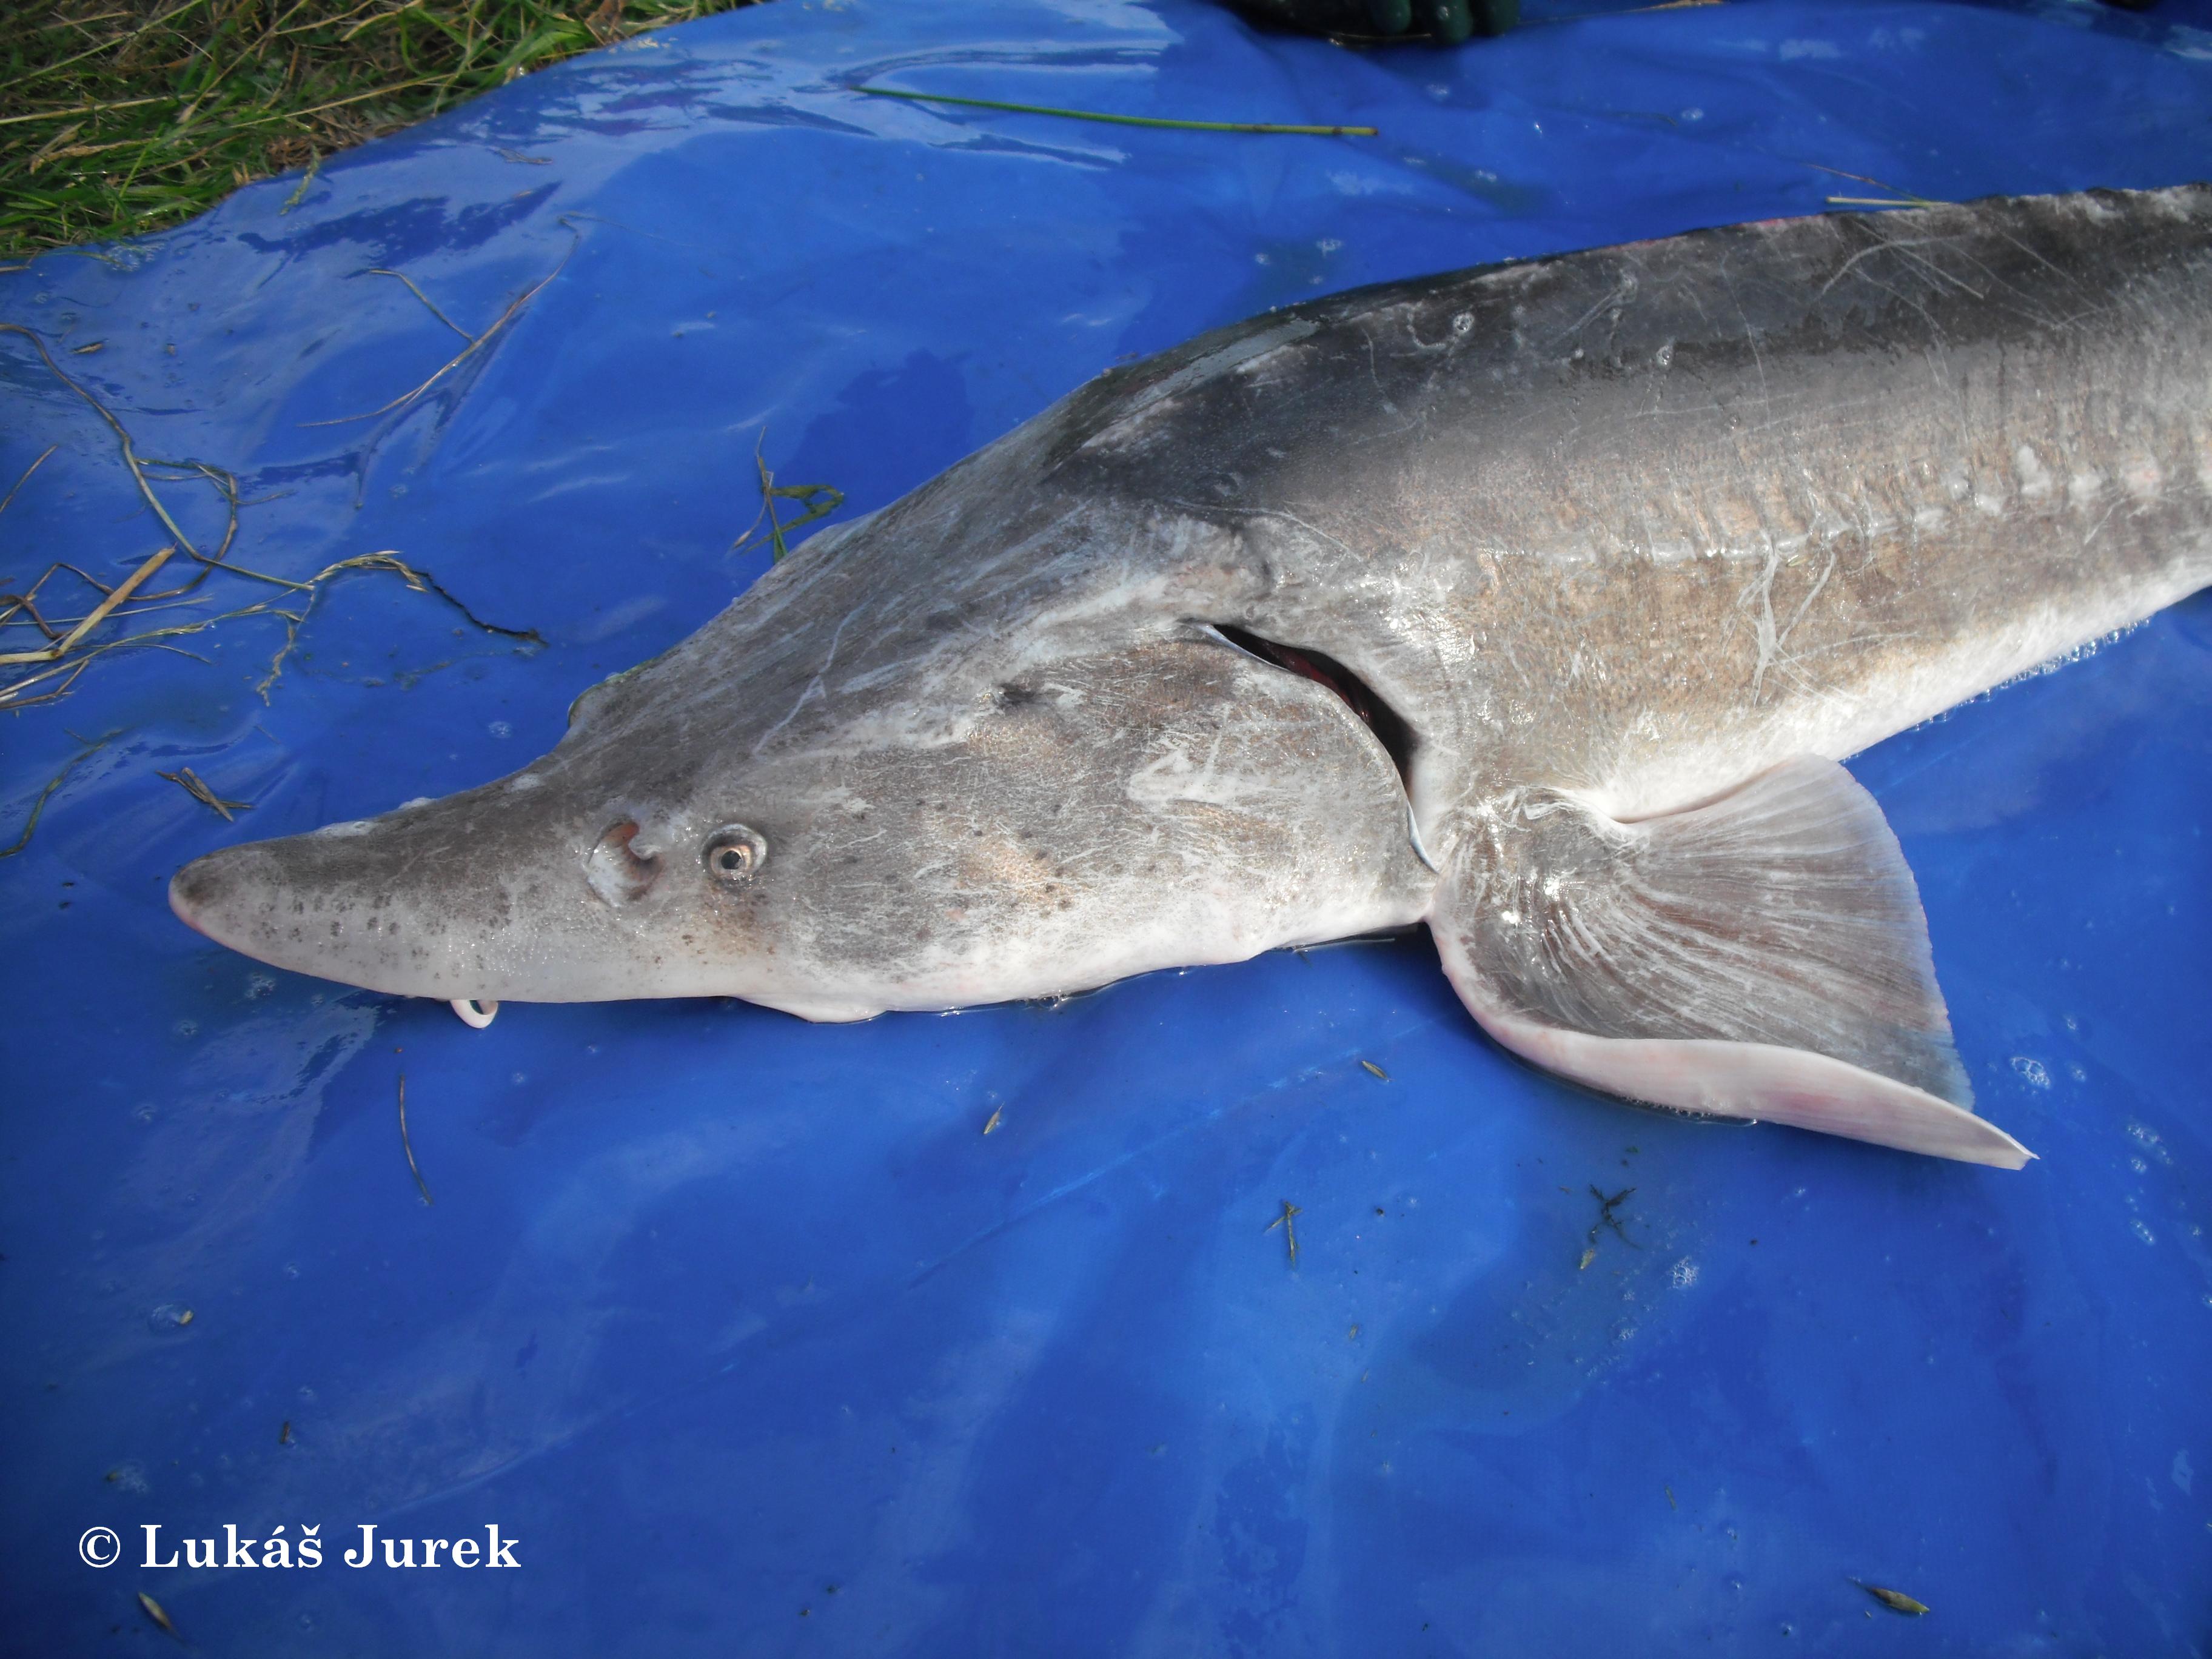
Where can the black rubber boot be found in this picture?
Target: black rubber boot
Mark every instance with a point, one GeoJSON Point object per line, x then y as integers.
{"type": "Point", "coordinates": [1445, 22]}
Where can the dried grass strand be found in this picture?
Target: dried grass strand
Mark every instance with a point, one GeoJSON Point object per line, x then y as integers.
{"type": "Point", "coordinates": [123, 591]}
{"type": "Point", "coordinates": [38, 806]}
{"type": "Point", "coordinates": [25, 478]}
{"type": "Point", "coordinates": [195, 786]}
{"type": "Point", "coordinates": [476, 343]}
{"type": "Point", "coordinates": [407, 1147]}
{"type": "Point", "coordinates": [1275, 127]}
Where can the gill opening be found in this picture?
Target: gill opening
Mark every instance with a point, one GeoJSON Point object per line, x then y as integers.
{"type": "Point", "coordinates": [1389, 728]}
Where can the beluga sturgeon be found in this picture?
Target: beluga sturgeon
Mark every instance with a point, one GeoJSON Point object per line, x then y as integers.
{"type": "Point", "coordinates": [1539, 602]}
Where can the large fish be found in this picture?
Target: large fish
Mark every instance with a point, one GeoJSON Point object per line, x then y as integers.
{"type": "Point", "coordinates": [1539, 602]}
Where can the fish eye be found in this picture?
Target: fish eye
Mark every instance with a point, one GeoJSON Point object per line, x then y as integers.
{"type": "Point", "coordinates": [733, 852]}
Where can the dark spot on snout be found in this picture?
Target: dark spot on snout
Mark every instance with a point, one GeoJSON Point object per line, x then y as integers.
{"type": "Point", "coordinates": [198, 887]}
{"type": "Point", "coordinates": [220, 894]}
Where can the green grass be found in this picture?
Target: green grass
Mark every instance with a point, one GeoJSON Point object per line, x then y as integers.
{"type": "Point", "coordinates": [120, 117]}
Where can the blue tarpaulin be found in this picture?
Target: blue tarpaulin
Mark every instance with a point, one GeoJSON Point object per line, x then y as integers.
{"type": "Point", "coordinates": [740, 1329]}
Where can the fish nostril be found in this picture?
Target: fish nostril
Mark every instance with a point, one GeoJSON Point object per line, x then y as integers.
{"type": "Point", "coordinates": [616, 872]}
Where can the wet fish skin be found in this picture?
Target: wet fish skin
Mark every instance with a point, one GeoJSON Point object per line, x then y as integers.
{"type": "Point", "coordinates": [1634, 545]}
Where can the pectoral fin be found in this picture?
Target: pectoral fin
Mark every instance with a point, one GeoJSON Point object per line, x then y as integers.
{"type": "Point", "coordinates": [1762, 955]}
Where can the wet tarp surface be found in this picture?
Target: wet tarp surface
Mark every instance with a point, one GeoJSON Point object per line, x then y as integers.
{"type": "Point", "coordinates": [741, 1327]}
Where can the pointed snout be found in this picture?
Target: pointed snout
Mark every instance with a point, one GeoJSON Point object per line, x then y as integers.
{"type": "Point", "coordinates": [330, 904]}
{"type": "Point", "coordinates": [480, 895]}
{"type": "Point", "coordinates": [511, 892]}
{"type": "Point", "coordinates": [231, 895]}
{"type": "Point", "coordinates": [204, 892]}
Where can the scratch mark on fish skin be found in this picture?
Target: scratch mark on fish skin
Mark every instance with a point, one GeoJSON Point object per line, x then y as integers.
{"type": "Point", "coordinates": [2103, 520]}
{"type": "Point", "coordinates": [1879, 245]}
{"type": "Point", "coordinates": [1921, 263]}
{"type": "Point", "coordinates": [813, 688]}
{"type": "Point", "coordinates": [1624, 290]}
{"type": "Point", "coordinates": [1286, 516]}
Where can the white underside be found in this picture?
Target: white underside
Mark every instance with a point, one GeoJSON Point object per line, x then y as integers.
{"type": "Point", "coordinates": [1759, 1080]}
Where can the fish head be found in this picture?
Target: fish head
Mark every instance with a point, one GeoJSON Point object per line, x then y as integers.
{"type": "Point", "coordinates": [836, 825]}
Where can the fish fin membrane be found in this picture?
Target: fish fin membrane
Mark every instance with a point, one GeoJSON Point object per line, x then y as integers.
{"type": "Point", "coordinates": [1763, 956]}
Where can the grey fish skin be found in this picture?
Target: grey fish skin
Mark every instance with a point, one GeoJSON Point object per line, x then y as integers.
{"type": "Point", "coordinates": [1538, 601]}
